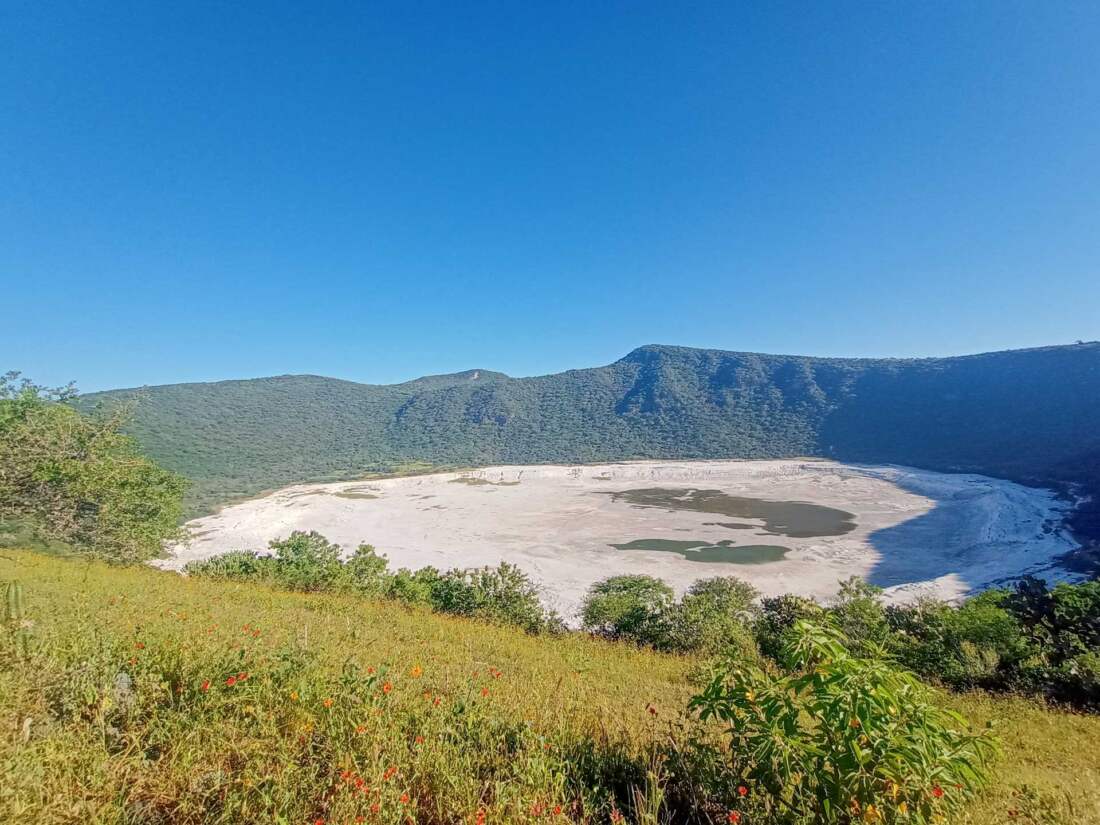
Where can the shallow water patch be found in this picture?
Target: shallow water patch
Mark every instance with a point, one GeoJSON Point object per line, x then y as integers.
{"type": "Point", "coordinates": [795, 519]}
{"type": "Point", "coordinates": [722, 552]}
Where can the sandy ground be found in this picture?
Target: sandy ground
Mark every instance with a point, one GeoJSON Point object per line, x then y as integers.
{"type": "Point", "coordinates": [916, 532]}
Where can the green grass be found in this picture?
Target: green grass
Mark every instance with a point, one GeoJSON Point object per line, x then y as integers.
{"type": "Point", "coordinates": [479, 721]}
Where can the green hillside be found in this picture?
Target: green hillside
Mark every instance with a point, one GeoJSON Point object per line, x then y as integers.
{"type": "Point", "coordinates": [1029, 415]}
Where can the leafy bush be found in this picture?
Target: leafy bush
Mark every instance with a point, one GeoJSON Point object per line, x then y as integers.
{"type": "Point", "coordinates": [839, 738]}
{"type": "Point", "coordinates": [78, 480]}
{"type": "Point", "coordinates": [307, 561]}
{"type": "Point", "coordinates": [365, 572]}
{"type": "Point", "coordinates": [977, 644]}
{"type": "Point", "coordinates": [503, 594]}
{"type": "Point", "coordinates": [236, 565]}
{"type": "Point", "coordinates": [778, 616]}
{"type": "Point", "coordinates": [858, 611]}
{"type": "Point", "coordinates": [714, 615]}
{"type": "Point", "coordinates": [632, 608]}
{"type": "Point", "coordinates": [311, 563]}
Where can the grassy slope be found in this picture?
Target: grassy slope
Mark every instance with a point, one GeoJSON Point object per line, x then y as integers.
{"type": "Point", "coordinates": [561, 708]}
{"type": "Point", "coordinates": [1027, 414]}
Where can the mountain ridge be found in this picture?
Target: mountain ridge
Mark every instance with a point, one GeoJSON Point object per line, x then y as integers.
{"type": "Point", "coordinates": [1029, 415]}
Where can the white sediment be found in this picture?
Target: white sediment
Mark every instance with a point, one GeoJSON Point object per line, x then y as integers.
{"type": "Point", "coordinates": [917, 532]}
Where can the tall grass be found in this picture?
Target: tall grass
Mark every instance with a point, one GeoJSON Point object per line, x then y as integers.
{"type": "Point", "coordinates": [145, 697]}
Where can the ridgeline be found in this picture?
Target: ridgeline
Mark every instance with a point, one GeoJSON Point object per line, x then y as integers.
{"type": "Point", "coordinates": [1028, 415]}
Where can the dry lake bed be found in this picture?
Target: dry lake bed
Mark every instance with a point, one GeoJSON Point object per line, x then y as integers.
{"type": "Point", "coordinates": [795, 526]}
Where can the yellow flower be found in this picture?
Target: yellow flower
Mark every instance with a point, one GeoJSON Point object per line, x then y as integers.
{"type": "Point", "coordinates": [293, 696]}
{"type": "Point", "coordinates": [870, 813]}
{"type": "Point", "coordinates": [415, 671]}
{"type": "Point", "coordinates": [903, 808]}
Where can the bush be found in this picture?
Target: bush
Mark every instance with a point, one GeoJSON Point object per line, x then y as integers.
{"type": "Point", "coordinates": [307, 561]}
{"type": "Point", "coordinates": [366, 572]}
{"type": "Point", "coordinates": [77, 480]}
{"type": "Point", "coordinates": [777, 619]}
{"type": "Point", "coordinates": [840, 738]}
{"type": "Point", "coordinates": [633, 608]}
{"type": "Point", "coordinates": [714, 615]}
{"type": "Point", "coordinates": [977, 644]}
{"type": "Point", "coordinates": [237, 565]}
{"type": "Point", "coordinates": [502, 594]}
{"type": "Point", "coordinates": [860, 615]}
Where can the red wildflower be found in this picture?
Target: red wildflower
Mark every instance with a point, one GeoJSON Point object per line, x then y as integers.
{"type": "Point", "coordinates": [375, 808]}
{"type": "Point", "coordinates": [404, 799]}
{"type": "Point", "coordinates": [387, 687]}
{"type": "Point", "coordinates": [205, 686]}
{"type": "Point", "coordinates": [139, 645]}
{"type": "Point", "coordinates": [485, 691]}
{"type": "Point", "coordinates": [419, 740]}
{"type": "Point", "coordinates": [241, 677]}
{"type": "Point", "coordinates": [742, 790]}
{"type": "Point", "coordinates": [937, 791]}
{"type": "Point", "coordinates": [557, 810]}
{"type": "Point", "coordinates": [232, 680]}
{"type": "Point", "coordinates": [734, 817]}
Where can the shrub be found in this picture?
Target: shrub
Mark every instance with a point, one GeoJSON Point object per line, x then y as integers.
{"type": "Point", "coordinates": [413, 586]}
{"type": "Point", "coordinates": [840, 738]}
{"type": "Point", "coordinates": [77, 480]}
{"type": "Point", "coordinates": [634, 608]}
{"type": "Point", "coordinates": [502, 594]}
{"type": "Point", "coordinates": [859, 613]}
{"type": "Point", "coordinates": [978, 644]}
{"type": "Point", "coordinates": [1063, 627]}
{"type": "Point", "coordinates": [777, 619]}
{"type": "Point", "coordinates": [237, 565]}
{"type": "Point", "coordinates": [366, 572]}
{"type": "Point", "coordinates": [714, 615]}
{"type": "Point", "coordinates": [307, 561]}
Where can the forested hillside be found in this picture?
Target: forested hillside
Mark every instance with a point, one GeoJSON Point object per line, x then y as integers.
{"type": "Point", "coordinates": [1029, 415]}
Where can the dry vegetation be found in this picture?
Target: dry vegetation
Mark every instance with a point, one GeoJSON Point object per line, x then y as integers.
{"type": "Point", "coordinates": [150, 698]}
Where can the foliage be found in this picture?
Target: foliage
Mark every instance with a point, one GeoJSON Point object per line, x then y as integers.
{"type": "Point", "coordinates": [713, 616]}
{"type": "Point", "coordinates": [309, 562]}
{"type": "Point", "coordinates": [238, 438]}
{"type": "Point", "coordinates": [76, 479]}
{"type": "Point", "coordinates": [632, 608]}
{"type": "Point", "coordinates": [503, 594]}
{"type": "Point", "coordinates": [109, 717]}
{"type": "Point", "coordinates": [778, 616]}
{"type": "Point", "coordinates": [838, 738]}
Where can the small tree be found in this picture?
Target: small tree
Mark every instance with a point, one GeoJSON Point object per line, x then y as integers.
{"type": "Point", "coordinates": [307, 561]}
{"type": "Point", "coordinates": [77, 479]}
{"type": "Point", "coordinates": [633, 608]}
{"type": "Point", "coordinates": [366, 572]}
{"type": "Point", "coordinates": [714, 615]}
{"type": "Point", "coordinates": [840, 739]}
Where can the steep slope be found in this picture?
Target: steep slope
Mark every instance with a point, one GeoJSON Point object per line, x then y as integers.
{"type": "Point", "coordinates": [1030, 415]}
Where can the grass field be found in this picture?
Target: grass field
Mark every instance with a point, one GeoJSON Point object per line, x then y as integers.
{"type": "Point", "coordinates": [150, 698]}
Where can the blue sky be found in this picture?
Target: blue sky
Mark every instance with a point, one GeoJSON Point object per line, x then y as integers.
{"type": "Point", "coordinates": [196, 191]}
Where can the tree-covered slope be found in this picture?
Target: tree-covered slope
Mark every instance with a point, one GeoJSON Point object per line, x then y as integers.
{"type": "Point", "coordinates": [1031, 415]}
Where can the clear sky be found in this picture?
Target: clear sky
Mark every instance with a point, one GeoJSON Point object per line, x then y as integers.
{"type": "Point", "coordinates": [196, 191]}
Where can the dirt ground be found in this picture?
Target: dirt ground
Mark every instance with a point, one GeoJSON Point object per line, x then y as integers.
{"type": "Point", "coordinates": [914, 532]}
